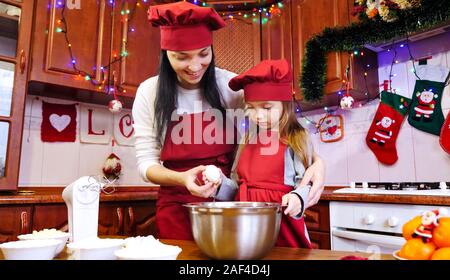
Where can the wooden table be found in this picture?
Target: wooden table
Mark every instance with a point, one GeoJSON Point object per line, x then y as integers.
{"type": "Point", "coordinates": [190, 251]}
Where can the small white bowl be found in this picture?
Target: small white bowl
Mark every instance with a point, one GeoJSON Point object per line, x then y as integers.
{"type": "Point", "coordinates": [126, 254]}
{"type": "Point", "coordinates": [95, 248]}
{"type": "Point", "coordinates": [61, 235]}
{"type": "Point", "coordinates": [30, 249]}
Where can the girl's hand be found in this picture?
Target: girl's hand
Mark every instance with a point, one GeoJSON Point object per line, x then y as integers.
{"type": "Point", "coordinates": [192, 185]}
{"type": "Point", "coordinates": [315, 174]}
{"type": "Point", "coordinates": [293, 203]}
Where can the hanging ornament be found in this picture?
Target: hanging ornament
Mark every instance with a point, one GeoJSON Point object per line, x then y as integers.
{"type": "Point", "coordinates": [112, 167]}
{"type": "Point", "coordinates": [115, 106]}
{"type": "Point", "coordinates": [347, 101]}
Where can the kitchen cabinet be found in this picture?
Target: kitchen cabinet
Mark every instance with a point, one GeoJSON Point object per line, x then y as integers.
{"type": "Point", "coordinates": [105, 45]}
{"type": "Point", "coordinates": [286, 36]}
{"type": "Point", "coordinates": [317, 219]}
{"type": "Point", "coordinates": [15, 220]}
{"type": "Point", "coordinates": [15, 31]}
{"type": "Point", "coordinates": [124, 218]}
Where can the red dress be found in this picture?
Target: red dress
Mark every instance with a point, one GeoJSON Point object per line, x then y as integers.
{"type": "Point", "coordinates": [172, 218]}
{"type": "Point", "coordinates": [261, 179]}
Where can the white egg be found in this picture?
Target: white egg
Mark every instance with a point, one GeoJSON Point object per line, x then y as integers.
{"type": "Point", "coordinates": [212, 173]}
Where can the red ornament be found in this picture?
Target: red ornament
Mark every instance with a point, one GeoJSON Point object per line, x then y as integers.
{"type": "Point", "coordinates": [112, 167]}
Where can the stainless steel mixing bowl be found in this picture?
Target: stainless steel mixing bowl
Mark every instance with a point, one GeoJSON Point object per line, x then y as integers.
{"type": "Point", "coordinates": [235, 230]}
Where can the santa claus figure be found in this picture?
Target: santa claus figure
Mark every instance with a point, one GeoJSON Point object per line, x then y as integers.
{"type": "Point", "coordinates": [383, 132]}
{"type": "Point", "coordinates": [430, 220]}
{"type": "Point", "coordinates": [426, 106]}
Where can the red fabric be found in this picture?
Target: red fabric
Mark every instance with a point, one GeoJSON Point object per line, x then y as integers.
{"type": "Point", "coordinates": [444, 139]}
{"type": "Point", "coordinates": [354, 258]}
{"type": "Point", "coordinates": [270, 80]}
{"type": "Point", "coordinates": [59, 122]}
{"type": "Point", "coordinates": [382, 140]}
{"type": "Point", "coordinates": [172, 218]}
{"type": "Point", "coordinates": [262, 179]}
{"type": "Point", "coordinates": [185, 26]}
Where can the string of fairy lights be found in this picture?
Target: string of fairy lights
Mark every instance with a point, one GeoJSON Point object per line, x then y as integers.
{"type": "Point", "coordinates": [104, 83]}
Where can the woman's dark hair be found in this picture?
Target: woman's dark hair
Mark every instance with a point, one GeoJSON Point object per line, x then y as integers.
{"type": "Point", "coordinates": [166, 94]}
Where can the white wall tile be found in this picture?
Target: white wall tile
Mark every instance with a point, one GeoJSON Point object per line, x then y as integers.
{"type": "Point", "coordinates": [362, 163]}
{"type": "Point", "coordinates": [60, 163]}
{"type": "Point", "coordinates": [31, 154]}
{"type": "Point", "coordinates": [89, 164]}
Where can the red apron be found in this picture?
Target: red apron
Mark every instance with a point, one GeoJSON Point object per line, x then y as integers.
{"type": "Point", "coordinates": [172, 218]}
{"type": "Point", "coordinates": [262, 179]}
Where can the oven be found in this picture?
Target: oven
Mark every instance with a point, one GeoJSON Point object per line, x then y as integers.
{"type": "Point", "coordinates": [371, 227]}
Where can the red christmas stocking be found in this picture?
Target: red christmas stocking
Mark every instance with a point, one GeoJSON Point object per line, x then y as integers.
{"type": "Point", "coordinates": [384, 130]}
{"type": "Point", "coordinates": [445, 135]}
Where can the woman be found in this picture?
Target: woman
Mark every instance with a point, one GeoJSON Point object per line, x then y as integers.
{"type": "Point", "coordinates": [187, 76]}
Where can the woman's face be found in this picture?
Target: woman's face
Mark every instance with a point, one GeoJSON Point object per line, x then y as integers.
{"type": "Point", "coordinates": [190, 66]}
{"type": "Point", "coordinates": [266, 114]}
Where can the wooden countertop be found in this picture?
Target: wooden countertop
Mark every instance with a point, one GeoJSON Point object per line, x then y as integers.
{"type": "Point", "coordinates": [33, 195]}
{"type": "Point", "coordinates": [190, 251]}
{"type": "Point", "coordinates": [53, 195]}
{"type": "Point", "coordinates": [384, 198]}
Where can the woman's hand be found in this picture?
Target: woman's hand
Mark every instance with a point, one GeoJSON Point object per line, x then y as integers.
{"type": "Point", "coordinates": [293, 203]}
{"type": "Point", "coordinates": [315, 174]}
{"type": "Point", "coordinates": [190, 181]}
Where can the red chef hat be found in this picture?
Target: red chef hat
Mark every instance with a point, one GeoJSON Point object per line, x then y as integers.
{"type": "Point", "coordinates": [184, 26]}
{"type": "Point", "coordinates": [270, 80]}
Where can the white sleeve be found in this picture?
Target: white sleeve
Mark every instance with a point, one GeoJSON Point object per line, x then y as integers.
{"type": "Point", "coordinates": [231, 99]}
{"type": "Point", "coordinates": [147, 145]}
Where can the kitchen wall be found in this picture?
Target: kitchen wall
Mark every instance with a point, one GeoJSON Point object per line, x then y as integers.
{"type": "Point", "coordinates": [58, 164]}
{"type": "Point", "coordinates": [421, 158]}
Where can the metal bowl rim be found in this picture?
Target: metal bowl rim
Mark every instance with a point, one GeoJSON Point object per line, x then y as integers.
{"type": "Point", "coordinates": [233, 205]}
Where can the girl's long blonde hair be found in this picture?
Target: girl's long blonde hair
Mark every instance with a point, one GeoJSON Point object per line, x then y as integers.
{"type": "Point", "coordinates": [292, 133]}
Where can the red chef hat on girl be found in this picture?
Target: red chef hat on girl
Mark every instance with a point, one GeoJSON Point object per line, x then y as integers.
{"type": "Point", "coordinates": [184, 26]}
{"type": "Point", "coordinates": [270, 80]}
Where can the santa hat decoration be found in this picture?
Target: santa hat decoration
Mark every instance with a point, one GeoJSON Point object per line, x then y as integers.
{"type": "Point", "coordinates": [270, 80]}
{"type": "Point", "coordinates": [112, 167]}
{"type": "Point", "coordinates": [185, 26]}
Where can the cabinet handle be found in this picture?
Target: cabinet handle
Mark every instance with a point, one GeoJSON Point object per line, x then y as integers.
{"type": "Point", "coordinates": [23, 222]}
{"type": "Point", "coordinates": [23, 60]}
{"type": "Point", "coordinates": [131, 214]}
{"type": "Point", "coordinates": [119, 217]}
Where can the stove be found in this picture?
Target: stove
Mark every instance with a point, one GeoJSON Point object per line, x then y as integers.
{"type": "Point", "coordinates": [398, 188]}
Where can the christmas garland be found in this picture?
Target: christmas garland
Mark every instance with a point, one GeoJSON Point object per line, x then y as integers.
{"type": "Point", "coordinates": [368, 31]}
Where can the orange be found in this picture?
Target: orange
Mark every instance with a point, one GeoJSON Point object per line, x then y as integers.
{"type": "Point", "coordinates": [441, 254]}
{"type": "Point", "coordinates": [416, 249]}
{"type": "Point", "coordinates": [441, 234]}
{"type": "Point", "coordinates": [410, 226]}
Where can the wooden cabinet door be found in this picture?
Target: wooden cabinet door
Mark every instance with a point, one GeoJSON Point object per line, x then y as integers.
{"type": "Point", "coordinates": [320, 240]}
{"type": "Point", "coordinates": [110, 219]}
{"type": "Point", "coordinates": [48, 216]}
{"type": "Point", "coordinates": [317, 217]}
{"type": "Point", "coordinates": [88, 31]}
{"type": "Point", "coordinates": [14, 220]}
{"type": "Point", "coordinates": [140, 219]}
{"type": "Point", "coordinates": [15, 32]}
{"type": "Point", "coordinates": [310, 17]}
{"type": "Point", "coordinates": [139, 40]}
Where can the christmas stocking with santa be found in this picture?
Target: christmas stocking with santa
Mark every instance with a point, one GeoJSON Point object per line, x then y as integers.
{"type": "Point", "coordinates": [425, 112]}
{"type": "Point", "coordinates": [384, 130]}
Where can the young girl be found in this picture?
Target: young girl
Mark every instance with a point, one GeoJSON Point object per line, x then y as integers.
{"type": "Point", "coordinates": [271, 171]}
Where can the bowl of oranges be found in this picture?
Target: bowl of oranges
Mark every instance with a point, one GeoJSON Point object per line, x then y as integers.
{"type": "Point", "coordinates": [427, 237]}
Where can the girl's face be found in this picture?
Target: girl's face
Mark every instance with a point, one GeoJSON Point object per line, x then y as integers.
{"type": "Point", "coordinates": [266, 114]}
{"type": "Point", "coordinates": [190, 66]}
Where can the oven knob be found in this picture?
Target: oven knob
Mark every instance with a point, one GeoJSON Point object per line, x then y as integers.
{"type": "Point", "coordinates": [369, 219]}
{"type": "Point", "coordinates": [393, 221]}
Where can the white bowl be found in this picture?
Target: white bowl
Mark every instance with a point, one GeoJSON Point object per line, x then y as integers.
{"type": "Point", "coordinates": [30, 249]}
{"type": "Point", "coordinates": [60, 235]}
{"type": "Point", "coordinates": [126, 254]}
{"type": "Point", "coordinates": [95, 248]}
